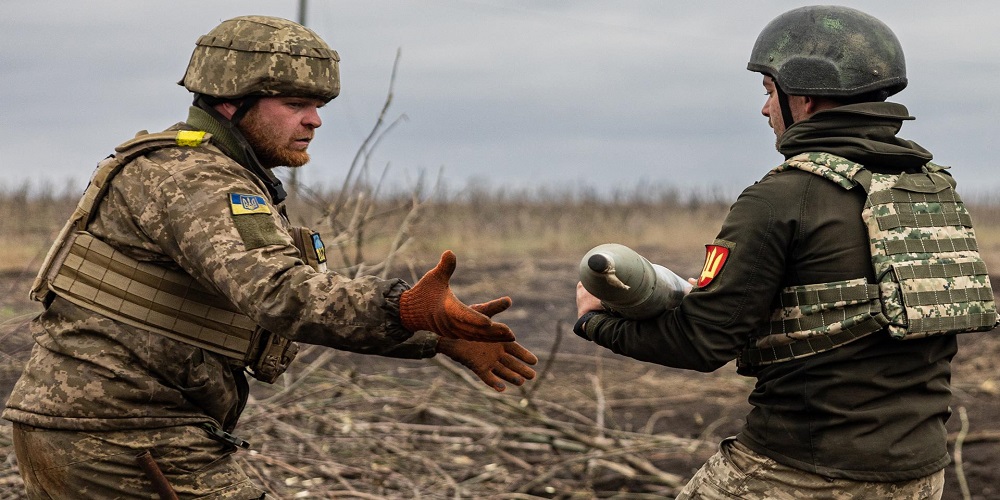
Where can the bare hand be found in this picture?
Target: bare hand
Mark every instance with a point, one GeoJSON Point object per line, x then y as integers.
{"type": "Point", "coordinates": [585, 301]}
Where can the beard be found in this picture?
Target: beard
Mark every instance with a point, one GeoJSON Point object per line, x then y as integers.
{"type": "Point", "coordinates": [266, 144]}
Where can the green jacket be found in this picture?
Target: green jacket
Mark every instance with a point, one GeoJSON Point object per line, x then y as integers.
{"type": "Point", "coordinates": [871, 410]}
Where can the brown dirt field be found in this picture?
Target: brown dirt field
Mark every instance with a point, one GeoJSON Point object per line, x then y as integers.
{"type": "Point", "coordinates": [594, 425]}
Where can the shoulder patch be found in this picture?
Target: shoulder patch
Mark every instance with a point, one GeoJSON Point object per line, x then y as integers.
{"type": "Point", "coordinates": [319, 247]}
{"type": "Point", "coordinates": [243, 204]}
{"type": "Point", "coordinates": [715, 259]}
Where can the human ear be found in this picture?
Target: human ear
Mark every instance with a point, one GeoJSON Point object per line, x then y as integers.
{"type": "Point", "coordinates": [226, 109]}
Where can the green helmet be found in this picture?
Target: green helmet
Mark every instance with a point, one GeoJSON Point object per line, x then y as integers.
{"type": "Point", "coordinates": [263, 56]}
{"type": "Point", "coordinates": [830, 51]}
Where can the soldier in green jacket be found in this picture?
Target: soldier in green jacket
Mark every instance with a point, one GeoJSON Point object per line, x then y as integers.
{"type": "Point", "coordinates": [842, 408]}
{"type": "Point", "coordinates": [179, 274]}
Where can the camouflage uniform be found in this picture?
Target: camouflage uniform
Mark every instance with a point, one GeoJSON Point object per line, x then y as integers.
{"type": "Point", "coordinates": [738, 472]}
{"type": "Point", "coordinates": [96, 391]}
{"type": "Point", "coordinates": [72, 464]}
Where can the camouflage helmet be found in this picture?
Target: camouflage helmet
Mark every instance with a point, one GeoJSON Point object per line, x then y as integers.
{"type": "Point", "coordinates": [829, 51]}
{"type": "Point", "coordinates": [262, 56]}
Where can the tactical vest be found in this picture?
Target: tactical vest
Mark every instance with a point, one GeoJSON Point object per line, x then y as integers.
{"type": "Point", "coordinates": [91, 274]}
{"type": "Point", "coordinates": [930, 278]}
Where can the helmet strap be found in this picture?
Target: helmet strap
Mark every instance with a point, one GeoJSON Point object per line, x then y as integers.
{"type": "Point", "coordinates": [786, 109]}
{"type": "Point", "coordinates": [272, 183]}
{"type": "Point", "coordinates": [245, 105]}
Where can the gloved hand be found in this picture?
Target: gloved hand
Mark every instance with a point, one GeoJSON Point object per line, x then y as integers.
{"type": "Point", "coordinates": [431, 305]}
{"type": "Point", "coordinates": [491, 361]}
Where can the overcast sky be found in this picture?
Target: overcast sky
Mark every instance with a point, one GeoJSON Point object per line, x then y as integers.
{"type": "Point", "coordinates": [569, 93]}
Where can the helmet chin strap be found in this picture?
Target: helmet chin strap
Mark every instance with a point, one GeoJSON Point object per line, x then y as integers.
{"type": "Point", "coordinates": [786, 109]}
{"type": "Point", "coordinates": [245, 104]}
{"type": "Point", "coordinates": [272, 183]}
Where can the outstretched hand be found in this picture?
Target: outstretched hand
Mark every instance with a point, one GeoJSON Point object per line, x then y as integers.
{"type": "Point", "coordinates": [492, 362]}
{"type": "Point", "coordinates": [431, 305]}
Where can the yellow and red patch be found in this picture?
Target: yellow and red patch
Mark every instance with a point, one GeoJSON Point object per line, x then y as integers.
{"type": "Point", "coordinates": [715, 259]}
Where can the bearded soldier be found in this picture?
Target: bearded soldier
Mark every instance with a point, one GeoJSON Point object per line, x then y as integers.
{"type": "Point", "coordinates": [837, 281]}
{"type": "Point", "coordinates": [179, 274]}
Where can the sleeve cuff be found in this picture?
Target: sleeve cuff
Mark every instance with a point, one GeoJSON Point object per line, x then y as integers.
{"type": "Point", "coordinates": [578, 328]}
{"type": "Point", "coordinates": [394, 324]}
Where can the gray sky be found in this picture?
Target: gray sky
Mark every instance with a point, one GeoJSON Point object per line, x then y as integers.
{"type": "Point", "coordinates": [567, 93]}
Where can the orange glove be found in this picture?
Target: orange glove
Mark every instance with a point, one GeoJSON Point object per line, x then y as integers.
{"type": "Point", "coordinates": [491, 361]}
{"type": "Point", "coordinates": [431, 305]}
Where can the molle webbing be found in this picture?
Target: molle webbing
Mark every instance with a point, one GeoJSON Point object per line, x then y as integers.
{"type": "Point", "coordinates": [140, 145]}
{"type": "Point", "coordinates": [925, 256]}
{"type": "Point", "coordinates": [92, 274]}
{"type": "Point", "coordinates": [816, 318]}
{"type": "Point", "coordinates": [930, 277]}
{"type": "Point", "coordinates": [99, 278]}
{"type": "Point", "coordinates": [143, 143]}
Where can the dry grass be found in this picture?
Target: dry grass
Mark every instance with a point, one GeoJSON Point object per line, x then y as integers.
{"type": "Point", "coordinates": [29, 221]}
{"type": "Point", "coordinates": [475, 225]}
{"type": "Point", "coordinates": [565, 229]}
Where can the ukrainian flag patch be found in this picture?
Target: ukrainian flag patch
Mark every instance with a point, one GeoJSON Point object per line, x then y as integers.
{"type": "Point", "coordinates": [242, 204]}
{"type": "Point", "coordinates": [319, 247]}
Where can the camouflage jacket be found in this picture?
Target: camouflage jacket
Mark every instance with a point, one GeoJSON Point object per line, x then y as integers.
{"type": "Point", "coordinates": [172, 207]}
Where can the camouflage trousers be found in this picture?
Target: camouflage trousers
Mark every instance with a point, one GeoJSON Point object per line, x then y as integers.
{"type": "Point", "coordinates": [736, 472]}
{"type": "Point", "coordinates": [71, 464]}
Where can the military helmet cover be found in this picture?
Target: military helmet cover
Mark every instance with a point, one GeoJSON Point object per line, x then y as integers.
{"type": "Point", "coordinates": [263, 56]}
{"type": "Point", "coordinates": [832, 51]}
